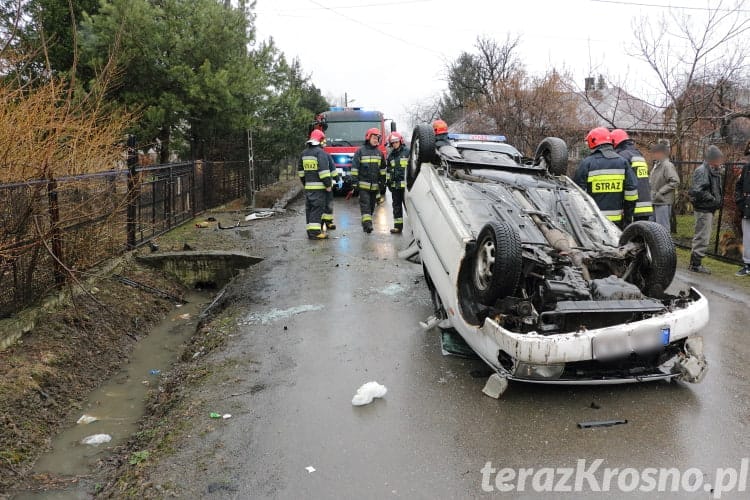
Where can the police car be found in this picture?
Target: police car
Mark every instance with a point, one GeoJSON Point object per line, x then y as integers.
{"type": "Point", "coordinates": [521, 263]}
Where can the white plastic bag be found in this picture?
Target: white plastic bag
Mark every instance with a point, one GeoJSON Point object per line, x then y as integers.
{"type": "Point", "coordinates": [368, 392]}
{"type": "Point", "coordinates": [96, 439]}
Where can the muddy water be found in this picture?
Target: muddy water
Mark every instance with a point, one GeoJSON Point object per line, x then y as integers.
{"type": "Point", "coordinates": [119, 403]}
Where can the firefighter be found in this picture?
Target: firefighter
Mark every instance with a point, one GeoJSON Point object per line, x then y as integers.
{"type": "Point", "coordinates": [368, 174]}
{"type": "Point", "coordinates": [327, 219]}
{"type": "Point", "coordinates": [625, 147]}
{"type": "Point", "coordinates": [398, 159]}
{"type": "Point", "coordinates": [441, 133]}
{"type": "Point", "coordinates": [608, 178]}
{"type": "Point", "coordinates": [315, 174]}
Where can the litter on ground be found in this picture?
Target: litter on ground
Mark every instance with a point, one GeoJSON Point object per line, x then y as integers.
{"type": "Point", "coordinates": [310, 469]}
{"type": "Point", "coordinates": [86, 419]}
{"type": "Point", "coordinates": [601, 423]}
{"type": "Point", "coordinates": [96, 439]}
{"type": "Point", "coordinates": [368, 392]}
{"type": "Point", "coordinates": [259, 215]}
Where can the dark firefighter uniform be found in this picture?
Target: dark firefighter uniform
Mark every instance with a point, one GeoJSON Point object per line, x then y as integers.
{"type": "Point", "coordinates": [610, 181]}
{"type": "Point", "coordinates": [398, 160]}
{"type": "Point", "coordinates": [315, 175]}
{"type": "Point", "coordinates": [327, 218]}
{"type": "Point", "coordinates": [644, 209]}
{"type": "Point", "coordinates": [368, 172]}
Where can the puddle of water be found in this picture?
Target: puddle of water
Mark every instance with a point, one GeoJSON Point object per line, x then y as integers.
{"type": "Point", "coordinates": [119, 403]}
{"type": "Point", "coordinates": [276, 314]}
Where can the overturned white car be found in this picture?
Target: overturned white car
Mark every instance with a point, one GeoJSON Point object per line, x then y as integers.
{"type": "Point", "coordinates": [544, 288]}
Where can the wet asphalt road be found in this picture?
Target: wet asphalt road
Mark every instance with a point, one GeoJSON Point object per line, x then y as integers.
{"type": "Point", "coordinates": [357, 312]}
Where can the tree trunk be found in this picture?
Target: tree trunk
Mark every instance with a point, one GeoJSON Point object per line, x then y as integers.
{"type": "Point", "coordinates": [164, 138]}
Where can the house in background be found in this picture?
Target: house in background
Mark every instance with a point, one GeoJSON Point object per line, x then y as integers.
{"type": "Point", "coordinates": [600, 105]}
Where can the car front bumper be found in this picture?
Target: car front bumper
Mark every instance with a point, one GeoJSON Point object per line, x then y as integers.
{"type": "Point", "coordinates": [601, 352]}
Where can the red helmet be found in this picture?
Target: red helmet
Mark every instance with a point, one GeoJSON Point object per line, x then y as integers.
{"type": "Point", "coordinates": [598, 136]}
{"type": "Point", "coordinates": [618, 136]}
{"type": "Point", "coordinates": [372, 131]}
{"type": "Point", "coordinates": [440, 127]}
{"type": "Point", "coordinates": [395, 136]}
{"type": "Point", "coordinates": [316, 137]}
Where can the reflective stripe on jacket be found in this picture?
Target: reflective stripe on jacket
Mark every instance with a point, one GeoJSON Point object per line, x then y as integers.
{"type": "Point", "coordinates": [610, 181]}
{"type": "Point", "coordinates": [398, 160]}
{"type": "Point", "coordinates": [313, 169]}
{"type": "Point", "coordinates": [368, 168]}
{"type": "Point", "coordinates": [627, 150]}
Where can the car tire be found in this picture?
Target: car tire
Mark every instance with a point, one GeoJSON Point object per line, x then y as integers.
{"type": "Point", "coordinates": [658, 263]}
{"type": "Point", "coordinates": [496, 267]}
{"type": "Point", "coordinates": [554, 152]}
{"type": "Point", "coordinates": [422, 150]}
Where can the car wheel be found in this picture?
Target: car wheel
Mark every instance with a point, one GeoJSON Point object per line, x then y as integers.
{"type": "Point", "coordinates": [554, 152]}
{"type": "Point", "coordinates": [422, 151]}
{"type": "Point", "coordinates": [656, 264]}
{"type": "Point", "coordinates": [497, 262]}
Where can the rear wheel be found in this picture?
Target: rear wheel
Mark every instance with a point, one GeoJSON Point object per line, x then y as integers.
{"type": "Point", "coordinates": [654, 267]}
{"type": "Point", "coordinates": [554, 152]}
{"type": "Point", "coordinates": [422, 151]}
{"type": "Point", "coordinates": [497, 262]}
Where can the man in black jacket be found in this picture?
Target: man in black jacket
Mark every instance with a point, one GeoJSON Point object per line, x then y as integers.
{"type": "Point", "coordinates": [398, 159]}
{"type": "Point", "coordinates": [608, 178]}
{"type": "Point", "coordinates": [368, 173]}
{"type": "Point", "coordinates": [625, 147]}
{"type": "Point", "coordinates": [742, 198]}
{"type": "Point", "coordinates": [707, 195]}
{"type": "Point", "coordinates": [315, 174]}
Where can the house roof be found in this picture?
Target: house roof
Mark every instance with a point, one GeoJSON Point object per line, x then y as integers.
{"type": "Point", "coordinates": [614, 107]}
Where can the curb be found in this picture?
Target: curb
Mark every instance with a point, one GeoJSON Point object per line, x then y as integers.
{"type": "Point", "coordinates": [288, 197]}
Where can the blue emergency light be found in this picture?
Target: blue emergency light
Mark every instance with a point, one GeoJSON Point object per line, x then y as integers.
{"type": "Point", "coordinates": [477, 137]}
{"type": "Point", "coordinates": [342, 159]}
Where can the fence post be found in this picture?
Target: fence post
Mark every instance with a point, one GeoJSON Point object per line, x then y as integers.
{"type": "Point", "coordinates": [54, 224]}
{"type": "Point", "coordinates": [250, 184]}
{"type": "Point", "coordinates": [132, 197]}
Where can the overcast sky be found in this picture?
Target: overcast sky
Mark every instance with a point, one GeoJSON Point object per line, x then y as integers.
{"type": "Point", "coordinates": [387, 55]}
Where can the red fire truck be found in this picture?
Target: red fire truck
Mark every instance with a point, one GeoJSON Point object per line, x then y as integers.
{"type": "Point", "coordinates": [345, 132]}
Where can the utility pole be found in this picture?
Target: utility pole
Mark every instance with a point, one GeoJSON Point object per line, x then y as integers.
{"type": "Point", "coordinates": [346, 100]}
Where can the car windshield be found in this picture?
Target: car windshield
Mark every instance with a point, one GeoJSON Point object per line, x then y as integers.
{"type": "Point", "coordinates": [348, 133]}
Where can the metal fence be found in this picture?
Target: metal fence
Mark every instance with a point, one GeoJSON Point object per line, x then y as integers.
{"type": "Point", "coordinates": [50, 227]}
{"type": "Point", "coordinates": [726, 238]}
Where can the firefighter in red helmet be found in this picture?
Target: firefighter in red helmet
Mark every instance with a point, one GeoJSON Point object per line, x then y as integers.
{"type": "Point", "coordinates": [625, 147]}
{"type": "Point", "coordinates": [398, 159]}
{"type": "Point", "coordinates": [315, 174]}
{"type": "Point", "coordinates": [368, 173]}
{"type": "Point", "coordinates": [608, 178]}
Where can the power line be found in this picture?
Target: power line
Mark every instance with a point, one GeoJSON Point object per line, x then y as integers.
{"type": "Point", "coordinates": [662, 6]}
{"type": "Point", "coordinates": [362, 6]}
{"type": "Point", "coordinates": [375, 28]}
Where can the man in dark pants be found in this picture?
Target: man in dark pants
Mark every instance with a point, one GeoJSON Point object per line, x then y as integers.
{"type": "Point", "coordinates": [625, 147]}
{"type": "Point", "coordinates": [327, 219]}
{"type": "Point", "coordinates": [707, 195]}
{"type": "Point", "coordinates": [608, 178]}
{"type": "Point", "coordinates": [368, 172]}
{"type": "Point", "coordinates": [314, 172]}
{"type": "Point", "coordinates": [398, 159]}
{"type": "Point", "coordinates": [742, 198]}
